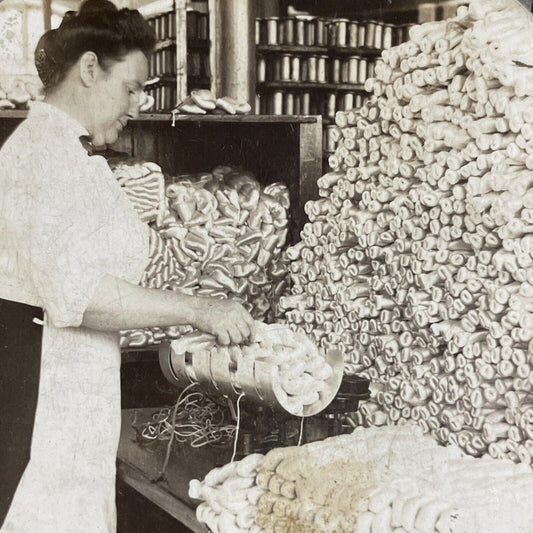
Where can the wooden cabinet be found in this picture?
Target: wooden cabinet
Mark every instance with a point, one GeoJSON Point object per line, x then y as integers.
{"type": "Point", "coordinates": [284, 148]}
{"type": "Point", "coordinates": [274, 148]}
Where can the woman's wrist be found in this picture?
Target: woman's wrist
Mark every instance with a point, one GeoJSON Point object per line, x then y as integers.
{"type": "Point", "coordinates": [190, 308]}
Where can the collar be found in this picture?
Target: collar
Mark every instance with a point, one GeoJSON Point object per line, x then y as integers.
{"type": "Point", "coordinates": [62, 121]}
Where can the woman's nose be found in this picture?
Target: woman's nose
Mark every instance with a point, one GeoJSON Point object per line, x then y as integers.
{"type": "Point", "coordinates": [136, 105]}
{"type": "Point", "coordinates": [133, 111]}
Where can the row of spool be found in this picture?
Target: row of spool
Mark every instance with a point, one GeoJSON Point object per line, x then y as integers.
{"type": "Point", "coordinates": [314, 69]}
{"type": "Point", "coordinates": [329, 32]}
{"type": "Point", "coordinates": [302, 102]}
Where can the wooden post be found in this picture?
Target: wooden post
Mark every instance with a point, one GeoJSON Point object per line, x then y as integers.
{"type": "Point", "coordinates": [233, 36]}
{"type": "Point", "coordinates": [181, 50]}
{"type": "Point", "coordinates": [215, 46]}
{"type": "Point", "coordinates": [47, 14]}
{"type": "Point", "coordinates": [310, 166]}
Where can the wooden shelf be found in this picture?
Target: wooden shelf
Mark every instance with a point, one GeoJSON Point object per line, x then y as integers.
{"type": "Point", "coordinates": [362, 51]}
{"type": "Point", "coordinates": [312, 85]}
{"type": "Point", "coordinates": [290, 49]}
{"type": "Point", "coordinates": [167, 117]}
{"type": "Point", "coordinates": [13, 113]}
{"type": "Point", "coordinates": [267, 119]}
{"type": "Point", "coordinates": [332, 50]}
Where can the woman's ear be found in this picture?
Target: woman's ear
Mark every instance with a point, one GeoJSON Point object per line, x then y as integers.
{"type": "Point", "coordinates": [88, 65]}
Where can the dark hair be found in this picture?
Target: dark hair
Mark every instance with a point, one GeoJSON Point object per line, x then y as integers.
{"type": "Point", "coordinates": [98, 27]}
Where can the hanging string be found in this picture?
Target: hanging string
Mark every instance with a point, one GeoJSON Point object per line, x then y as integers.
{"type": "Point", "coordinates": [238, 427]}
{"type": "Point", "coordinates": [194, 418]}
{"type": "Point", "coordinates": [169, 445]}
{"type": "Point", "coordinates": [300, 437]}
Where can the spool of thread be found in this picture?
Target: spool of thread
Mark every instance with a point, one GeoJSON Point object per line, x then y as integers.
{"type": "Point", "coordinates": [312, 68]}
{"type": "Point", "coordinates": [361, 34]}
{"type": "Point", "coordinates": [261, 69]}
{"type": "Point", "coordinates": [341, 32]}
{"type": "Point", "coordinates": [370, 34]}
{"type": "Point", "coordinates": [321, 70]}
{"type": "Point", "coordinates": [353, 69]}
{"type": "Point", "coordinates": [353, 34]}
{"type": "Point", "coordinates": [277, 103]}
{"type": "Point", "coordinates": [320, 32]}
{"type": "Point", "coordinates": [287, 30]}
{"type": "Point", "coordinates": [335, 74]}
{"type": "Point", "coordinates": [299, 31]}
{"type": "Point", "coordinates": [286, 64]}
{"type": "Point", "coordinates": [378, 36]}
{"type": "Point", "coordinates": [310, 32]}
{"type": "Point", "coordinates": [388, 36]}
{"type": "Point", "coordinates": [305, 106]}
{"type": "Point", "coordinates": [288, 104]}
{"type": "Point", "coordinates": [363, 65]}
{"type": "Point", "coordinates": [272, 30]}
{"type": "Point", "coordinates": [295, 68]}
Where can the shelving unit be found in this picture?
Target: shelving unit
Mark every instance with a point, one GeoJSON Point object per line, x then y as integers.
{"type": "Point", "coordinates": [181, 61]}
{"type": "Point", "coordinates": [318, 65]}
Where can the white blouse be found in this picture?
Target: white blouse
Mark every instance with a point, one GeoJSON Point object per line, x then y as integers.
{"type": "Point", "coordinates": [64, 224]}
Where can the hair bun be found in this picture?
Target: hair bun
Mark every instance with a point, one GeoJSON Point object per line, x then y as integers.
{"type": "Point", "coordinates": [46, 57]}
{"type": "Point", "coordinates": [97, 6]}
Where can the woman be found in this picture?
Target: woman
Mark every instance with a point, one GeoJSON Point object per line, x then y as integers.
{"type": "Point", "coordinates": [71, 244]}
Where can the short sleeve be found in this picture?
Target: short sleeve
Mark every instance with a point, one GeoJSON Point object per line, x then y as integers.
{"type": "Point", "coordinates": [69, 246]}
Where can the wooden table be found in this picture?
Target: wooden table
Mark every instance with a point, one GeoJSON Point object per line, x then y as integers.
{"type": "Point", "coordinates": [140, 464]}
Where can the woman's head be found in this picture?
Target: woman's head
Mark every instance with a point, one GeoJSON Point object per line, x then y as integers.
{"type": "Point", "coordinates": [98, 27]}
{"type": "Point", "coordinates": [101, 55]}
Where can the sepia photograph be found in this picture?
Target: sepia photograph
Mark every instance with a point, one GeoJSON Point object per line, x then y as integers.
{"type": "Point", "coordinates": [264, 266]}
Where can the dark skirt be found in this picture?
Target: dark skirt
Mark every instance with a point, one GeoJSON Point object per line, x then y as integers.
{"type": "Point", "coordinates": [20, 362]}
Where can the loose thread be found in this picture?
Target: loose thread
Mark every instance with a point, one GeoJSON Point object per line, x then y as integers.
{"type": "Point", "coordinates": [201, 422]}
{"type": "Point", "coordinates": [169, 445]}
{"type": "Point", "coordinates": [300, 437]}
{"type": "Point", "coordinates": [238, 427]}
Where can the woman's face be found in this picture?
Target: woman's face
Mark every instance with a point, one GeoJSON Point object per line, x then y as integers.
{"type": "Point", "coordinates": [117, 95]}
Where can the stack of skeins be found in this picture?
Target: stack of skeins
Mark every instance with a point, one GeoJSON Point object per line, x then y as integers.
{"type": "Point", "coordinates": [417, 262]}
{"type": "Point", "coordinates": [203, 101]}
{"type": "Point", "coordinates": [223, 235]}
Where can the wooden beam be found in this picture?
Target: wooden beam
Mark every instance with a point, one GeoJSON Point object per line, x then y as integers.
{"type": "Point", "coordinates": [215, 37]}
{"type": "Point", "coordinates": [235, 52]}
{"type": "Point", "coordinates": [47, 14]}
{"type": "Point", "coordinates": [181, 50]}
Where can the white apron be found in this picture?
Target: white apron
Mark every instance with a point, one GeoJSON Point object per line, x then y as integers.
{"type": "Point", "coordinates": [64, 224]}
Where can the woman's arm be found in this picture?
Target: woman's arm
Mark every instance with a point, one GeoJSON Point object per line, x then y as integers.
{"type": "Point", "coordinates": [117, 305]}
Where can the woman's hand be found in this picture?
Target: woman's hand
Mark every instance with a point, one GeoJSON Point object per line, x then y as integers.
{"type": "Point", "coordinates": [227, 320]}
